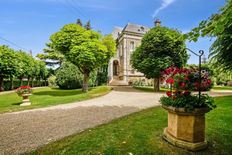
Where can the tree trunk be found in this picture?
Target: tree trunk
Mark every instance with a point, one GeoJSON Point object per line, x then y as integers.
{"type": "Point", "coordinates": [28, 81]}
{"type": "Point", "coordinates": [85, 82]}
{"type": "Point", "coordinates": [11, 83]}
{"type": "Point", "coordinates": [21, 81]}
{"type": "Point", "coordinates": [1, 83]}
{"type": "Point", "coordinates": [32, 79]}
{"type": "Point", "coordinates": [156, 84]}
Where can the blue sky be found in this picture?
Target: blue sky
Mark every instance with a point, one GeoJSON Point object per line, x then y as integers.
{"type": "Point", "coordinates": [29, 23]}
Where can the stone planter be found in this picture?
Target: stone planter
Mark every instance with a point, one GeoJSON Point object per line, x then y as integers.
{"type": "Point", "coordinates": [186, 129]}
{"type": "Point", "coordinates": [26, 100]}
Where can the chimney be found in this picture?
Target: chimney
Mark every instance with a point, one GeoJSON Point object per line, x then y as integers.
{"type": "Point", "coordinates": [157, 22]}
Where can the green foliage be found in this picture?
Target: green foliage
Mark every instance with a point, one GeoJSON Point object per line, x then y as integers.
{"type": "Point", "coordinates": [189, 102]}
{"type": "Point", "coordinates": [220, 75]}
{"type": "Point", "coordinates": [110, 44]}
{"type": "Point", "coordinates": [26, 64]}
{"type": "Point", "coordinates": [160, 48]}
{"type": "Point", "coordinates": [88, 25]}
{"type": "Point", "coordinates": [68, 76]}
{"type": "Point", "coordinates": [9, 85]}
{"type": "Point", "coordinates": [8, 62]}
{"type": "Point", "coordinates": [102, 76]}
{"type": "Point", "coordinates": [84, 48]}
{"type": "Point", "coordinates": [219, 26]}
{"type": "Point", "coordinates": [79, 22]}
{"type": "Point", "coordinates": [52, 81]}
{"type": "Point", "coordinates": [19, 64]}
{"type": "Point", "coordinates": [50, 56]}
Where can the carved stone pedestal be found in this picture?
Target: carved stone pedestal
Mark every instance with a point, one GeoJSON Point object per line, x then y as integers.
{"type": "Point", "coordinates": [26, 101]}
{"type": "Point", "coordinates": [186, 129]}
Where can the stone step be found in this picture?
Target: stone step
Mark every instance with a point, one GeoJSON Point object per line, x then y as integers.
{"type": "Point", "coordinates": [118, 83]}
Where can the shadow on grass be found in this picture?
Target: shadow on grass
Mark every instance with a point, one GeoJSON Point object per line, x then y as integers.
{"type": "Point", "coordinates": [59, 93]}
{"type": "Point", "coordinates": [17, 103]}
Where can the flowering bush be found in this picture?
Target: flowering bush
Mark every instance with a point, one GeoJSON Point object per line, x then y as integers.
{"type": "Point", "coordinates": [24, 90]}
{"type": "Point", "coordinates": [182, 82]}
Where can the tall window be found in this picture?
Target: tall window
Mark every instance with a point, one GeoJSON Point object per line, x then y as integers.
{"type": "Point", "coordinates": [132, 46]}
{"type": "Point", "coordinates": [121, 48]}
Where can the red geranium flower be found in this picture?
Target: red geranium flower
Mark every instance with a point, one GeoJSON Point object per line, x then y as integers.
{"type": "Point", "coordinates": [168, 93]}
{"type": "Point", "coordinates": [182, 85]}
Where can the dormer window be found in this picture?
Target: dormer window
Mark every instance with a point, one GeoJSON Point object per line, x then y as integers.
{"type": "Point", "coordinates": [142, 28]}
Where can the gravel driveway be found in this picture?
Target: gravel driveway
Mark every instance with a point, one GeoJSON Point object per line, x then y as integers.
{"type": "Point", "coordinates": [26, 130]}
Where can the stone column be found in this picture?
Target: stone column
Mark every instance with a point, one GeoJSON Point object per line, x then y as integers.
{"type": "Point", "coordinates": [125, 72]}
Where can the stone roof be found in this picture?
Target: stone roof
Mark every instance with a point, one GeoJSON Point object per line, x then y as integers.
{"type": "Point", "coordinates": [136, 28]}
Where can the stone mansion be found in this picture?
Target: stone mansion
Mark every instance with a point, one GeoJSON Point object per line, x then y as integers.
{"type": "Point", "coordinates": [120, 71]}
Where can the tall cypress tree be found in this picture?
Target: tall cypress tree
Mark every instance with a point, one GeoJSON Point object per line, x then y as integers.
{"type": "Point", "coordinates": [79, 22]}
{"type": "Point", "coordinates": [88, 25]}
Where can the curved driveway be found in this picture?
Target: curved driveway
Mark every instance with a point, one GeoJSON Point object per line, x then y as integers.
{"type": "Point", "coordinates": [24, 131]}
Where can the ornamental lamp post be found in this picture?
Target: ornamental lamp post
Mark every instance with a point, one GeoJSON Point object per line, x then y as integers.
{"type": "Point", "coordinates": [201, 52]}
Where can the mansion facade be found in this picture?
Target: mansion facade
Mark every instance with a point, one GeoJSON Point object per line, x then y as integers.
{"type": "Point", "coordinates": [127, 39]}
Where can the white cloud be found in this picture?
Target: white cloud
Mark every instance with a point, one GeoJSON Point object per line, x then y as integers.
{"type": "Point", "coordinates": [165, 3]}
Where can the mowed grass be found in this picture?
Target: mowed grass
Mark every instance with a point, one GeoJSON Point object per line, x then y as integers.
{"type": "Point", "coordinates": [141, 134]}
{"type": "Point", "coordinates": [149, 88]}
{"type": "Point", "coordinates": [222, 88]}
{"type": "Point", "coordinates": [43, 97]}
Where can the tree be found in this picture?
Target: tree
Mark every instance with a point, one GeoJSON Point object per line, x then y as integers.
{"type": "Point", "coordinates": [8, 64]}
{"type": "Point", "coordinates": [26, 65]}
{"type": "Point", "coordinates": [79, 22]}
{"type": "Point", "coordinates": [84, 48]}
{"type": "Point", "coordinates": [50, 56]}
{"type": "Point", "coordinates": [219, 26]}
{"type": "Point", "coordinates": [88, 25]}
{"type": "Point", "coordinates": [160, 48]}
{"type": "Point", "coordinates": [42, 71]}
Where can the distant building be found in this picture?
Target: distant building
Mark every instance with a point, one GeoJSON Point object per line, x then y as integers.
{"type": "Point", "coordinates": [127, 39]}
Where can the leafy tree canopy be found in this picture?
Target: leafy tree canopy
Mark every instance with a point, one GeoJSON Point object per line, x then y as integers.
{"type": "Point", "coordinates": [160, 48]}
{"type": "Point", "coordinates": [50, 56]}
{"type": "Point", "coordinates": [219, 26]}
{"type": "Point", "coordinates": [87, 49]}
{"type": "Point", "coordinates": [8, 62]}
{"type": "Point", "coordinates": [26, 64]}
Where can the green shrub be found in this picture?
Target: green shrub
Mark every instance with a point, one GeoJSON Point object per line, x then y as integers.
{"type": "Point", "coordinates": [68, 76]}
{"type": "Point", "coordinates": [92, 79]}
{"type": "Point", "coordinates": [52, 81]}
{"type": "Point", "coordinates": [17, 83]}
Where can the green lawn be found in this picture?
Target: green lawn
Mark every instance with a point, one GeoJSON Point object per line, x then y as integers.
{"type": "Point", "coordinates": [149, 88]}
{"type": "Point", "coordinates": [222, 88]}
{"type": "Point", "coordinates": [141, 134]}
{"type": "Point", "coordinates": [43, 97]}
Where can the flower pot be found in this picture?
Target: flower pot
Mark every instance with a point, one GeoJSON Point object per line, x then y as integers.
{"type": "Point", "coordinates": [186, 129]}
{"type": "Point", "coordinates": [26, 100]}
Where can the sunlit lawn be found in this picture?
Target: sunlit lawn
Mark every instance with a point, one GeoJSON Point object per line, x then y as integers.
{"type": "Point", "coordinates": [151, 89]}
{"type": "Point", "coordinates": [141, 134]}
{"type": "Point", "coordinates": [222, 88]}
{"type": "Point", "coordinates": [43, 97]}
